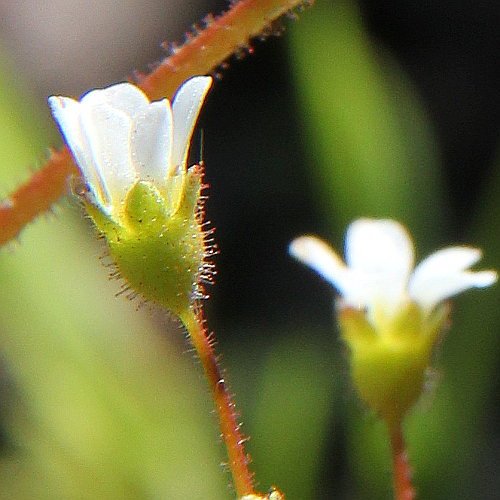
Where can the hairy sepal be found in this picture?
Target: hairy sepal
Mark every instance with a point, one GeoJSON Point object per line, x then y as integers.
{"type": "Point", "coordinates": [158, 243]}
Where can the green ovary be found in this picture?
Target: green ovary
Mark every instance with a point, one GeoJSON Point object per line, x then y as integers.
{"type": "Point", "coordinates": [390, 378]}
{"type": "Point", "coordinates": [388, 366]}
{"type": "Point", "coordinates": [158, 253]}
{"type": "Point", "coordinates": [163, 266]}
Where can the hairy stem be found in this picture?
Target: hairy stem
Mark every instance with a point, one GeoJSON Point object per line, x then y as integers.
{"type": "Point", "coordinates": [35, 196]}
{"type": "Point", "coordinates": [200, 54]}
{"type": "Point", "coordinates": [230, 428]}
{"type": "Point", "coordinates": [223, 36]}
{"type": "Point", "coordinates": [403, 488]}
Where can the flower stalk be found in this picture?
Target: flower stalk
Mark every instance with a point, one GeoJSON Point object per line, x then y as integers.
{"type": "Point", "coordinates": [234, 440]}
{"type": "Point", "coordinates": [403, 488]}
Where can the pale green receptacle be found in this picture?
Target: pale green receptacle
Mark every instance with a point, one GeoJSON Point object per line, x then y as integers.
{"type": "Point", "coordinates": [158, 245]}
{"type": "Point", "coordinates": [389, 363]}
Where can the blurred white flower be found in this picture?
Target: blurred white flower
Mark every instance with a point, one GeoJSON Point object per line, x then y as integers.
{"type": "Point", "coordinates": [378, 275]}
{"type": "Point", "coordinates": [118, 138]}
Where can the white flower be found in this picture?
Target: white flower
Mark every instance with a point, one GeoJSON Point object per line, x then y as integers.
{"type": "Point", "coordinates": [118, 137]}
{"type": "Point", "coordinates": [378, 274]}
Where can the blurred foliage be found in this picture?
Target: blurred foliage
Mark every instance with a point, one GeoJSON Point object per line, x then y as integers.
{"type": "Point", "coordinates": [101, 401]}
{"type": "Point", "coordinates": [369, 141]}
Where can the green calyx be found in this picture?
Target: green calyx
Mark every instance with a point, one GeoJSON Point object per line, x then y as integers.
{"type": "Point", "coordinates": [158, 244]}
{"type": "Point", "coordinates": [388, 365]}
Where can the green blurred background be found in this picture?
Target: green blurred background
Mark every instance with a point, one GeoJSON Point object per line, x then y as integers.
{"type": "Point", "coordinates": [386, 109]}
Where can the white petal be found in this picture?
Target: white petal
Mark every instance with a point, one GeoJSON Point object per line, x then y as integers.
{"type": "Point", "coordinates": [380, 255]}
{"type": "Point", "coordinates": [444, 287]}
{"type": "Point", "coordinates": [444, 262]}
{"type": "Point", "coordinates": [152, 142]}
{"type": "Point", "coordinates": [107, 132]}
{"type": "Point", "coordinates": [449, 258]}
{"type": "Point", "coordinates": [319, 256]}
{"type": "Point", "coordinates": [123, 96]}
{"type": "Point", "coordinates": [186, 108]}
{"type": "Point", "coordinates": [443, 274]}
{"type": "Point", "coordinates": [67, 112]}
{"type": "Point", "coordinates": [482, 279]}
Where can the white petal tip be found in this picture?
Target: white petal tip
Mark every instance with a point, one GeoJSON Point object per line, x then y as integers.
{"type": "Point", "coordinates": [389, 227]}
{"type": "Point", "coordinates": [123, 95]}
{"type": "Point", "coordinates": [484, 279]}
{"type": "Point", "coordinates": [54, 100]}
{"type": "Point", "coordinates": [378, 241]}
{"type": "Point", "coordinates": [320, 257]}
{"type": "Point", "coordinates": [305, 248]}
{"type": "Point", "coordinates": [202, 83]}
{"type": "Point", "coordinates": [186, 107]}
{"type": "Point", "coordinates": [192, 93]}
{"type": "Point", "coordinates": [60, 103]}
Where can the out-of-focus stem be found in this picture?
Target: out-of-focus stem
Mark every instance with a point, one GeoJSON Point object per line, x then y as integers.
{"type": "Point", "coordinates": [230, 428]}
{"type": "Point", "coordinates": [201, 54]}
{"type": "Point", "coordinates": [403, 488]}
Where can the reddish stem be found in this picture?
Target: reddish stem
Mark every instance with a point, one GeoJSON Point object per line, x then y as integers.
{"type": "Point", "coordinates": [230, 428]}
{"type": "Point", "coordinates": [403, 488]}
{"type": "Point", "coordinates": [35, 196]}
{"type": "Point", "coordinates": [224, 35]}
